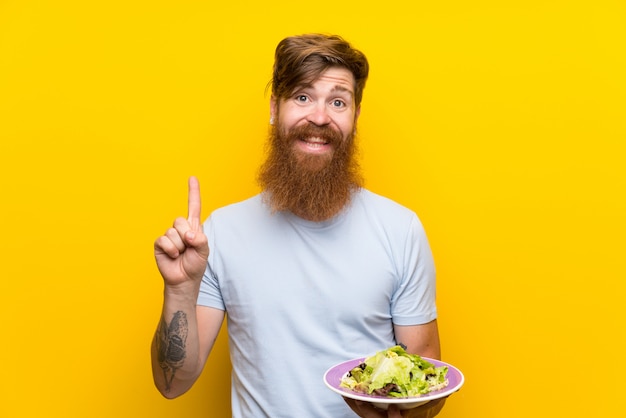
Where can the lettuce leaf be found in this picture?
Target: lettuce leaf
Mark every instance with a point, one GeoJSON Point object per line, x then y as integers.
{"type": "Point", "coordinates": [393, 372]}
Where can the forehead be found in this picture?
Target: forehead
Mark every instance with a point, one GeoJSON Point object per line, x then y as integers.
{"type": "Point", "coordinates": [334, 79]}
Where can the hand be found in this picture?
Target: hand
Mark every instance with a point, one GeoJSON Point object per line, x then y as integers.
{"type": "Point", "coordinates": [367, 410]}
{"type": "Point", "coordinates": [182, 252]}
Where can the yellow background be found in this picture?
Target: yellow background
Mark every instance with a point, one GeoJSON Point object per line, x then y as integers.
{"type": "Point", "coordinates": [501, 123]}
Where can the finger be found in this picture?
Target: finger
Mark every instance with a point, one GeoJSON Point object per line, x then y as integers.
{"type": "Point", "coordinates": [185, 231]}
{"type": "Point", "coordinates": [176, 239]}
{"type": "Point", "coordinates": [194, 203]}
{"type": "Point", "coordinates": [164, 245]}
{"type": "Point", "coordinates": [394, 412]}
{"type": "Point", "coordinates": [190, 237]}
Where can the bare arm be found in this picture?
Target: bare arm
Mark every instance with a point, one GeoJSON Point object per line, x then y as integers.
{"type": "Point", "coordinates": [420, 339]}
{"type": "Point", "coordinates": [423, 340]}
{"type": "Point", "coordinates": [179, 349]}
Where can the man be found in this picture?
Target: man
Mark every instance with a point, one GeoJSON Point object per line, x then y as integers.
{"type": "Point", "coordinates": [313, 271]}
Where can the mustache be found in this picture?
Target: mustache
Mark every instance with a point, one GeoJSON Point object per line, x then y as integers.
{"type": "Point", "coordinates": [328, 134]}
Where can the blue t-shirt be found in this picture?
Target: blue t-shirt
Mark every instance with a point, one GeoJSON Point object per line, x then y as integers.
{"type": "Point", "coordinates": [303, 296]}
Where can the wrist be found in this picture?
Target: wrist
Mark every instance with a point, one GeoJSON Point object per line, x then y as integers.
{"type": "Point", "coordinates": [186, 292]}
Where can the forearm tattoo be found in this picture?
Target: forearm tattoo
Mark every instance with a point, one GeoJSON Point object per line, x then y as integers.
{"type": "Point", "coordinates": [171, 341]}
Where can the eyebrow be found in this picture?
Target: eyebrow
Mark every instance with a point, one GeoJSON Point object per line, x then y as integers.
{"type": "Point", "coordinates": [335, 89]}
{"type": "Point", "coordinates": [342, 89]}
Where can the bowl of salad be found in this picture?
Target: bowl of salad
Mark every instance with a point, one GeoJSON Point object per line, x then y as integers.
{"type": "Point", "coordinates": [393, 376]}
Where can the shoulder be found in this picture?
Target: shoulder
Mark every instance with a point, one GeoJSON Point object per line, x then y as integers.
{"type": "Point", "coordinates": [384, 213]}
{"type": "Point", "coordinates": [381, 205]}
{"type": "Point", "coordinates": [247, 207]}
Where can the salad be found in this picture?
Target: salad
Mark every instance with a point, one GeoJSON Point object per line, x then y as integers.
{"type": "Point", "coordinates": [395, 373]}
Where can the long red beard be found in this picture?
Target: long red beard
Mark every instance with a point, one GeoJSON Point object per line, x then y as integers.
{"type": "Point", "coordinates": [313, 187]}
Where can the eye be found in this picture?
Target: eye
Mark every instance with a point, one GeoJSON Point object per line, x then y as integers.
{"type": "Point", "coordinates": [338, 103]}
{"type": "Point", "coordinates": [301, 98]}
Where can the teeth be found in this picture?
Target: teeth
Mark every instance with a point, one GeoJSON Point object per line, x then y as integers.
{"type": "Point", "coordinates": [315, 141]}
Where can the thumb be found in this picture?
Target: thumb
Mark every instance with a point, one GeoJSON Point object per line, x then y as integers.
{"type": "Point", "coordinates": [190, 236]}
{"type": "Point", "coordinates": [198, 241]}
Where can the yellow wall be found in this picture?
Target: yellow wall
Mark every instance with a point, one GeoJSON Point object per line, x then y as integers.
{"type": "Point", "coordinates": [502, 123]}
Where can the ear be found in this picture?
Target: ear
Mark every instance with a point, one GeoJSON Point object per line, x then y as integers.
{"type": "Point", "coordinates": [273, 107]}
{"type": "Point", "coordinates": [357, 113]}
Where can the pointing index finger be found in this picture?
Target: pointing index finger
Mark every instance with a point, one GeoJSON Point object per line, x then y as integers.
{"type": "Point", "coordinates": [193, 216]}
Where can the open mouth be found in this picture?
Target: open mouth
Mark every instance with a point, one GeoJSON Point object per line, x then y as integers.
{"type": "Point", "coordinates": [315, 142]}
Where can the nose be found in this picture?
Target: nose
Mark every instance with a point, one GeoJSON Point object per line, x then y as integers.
{"type": "Point", "coordinates": [319, 115]}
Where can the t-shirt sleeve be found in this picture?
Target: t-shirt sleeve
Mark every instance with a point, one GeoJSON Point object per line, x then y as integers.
{"type": "Point", "coordinates": [413, 302]}
{"type": "Point", "coordinates": [210, 294]}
